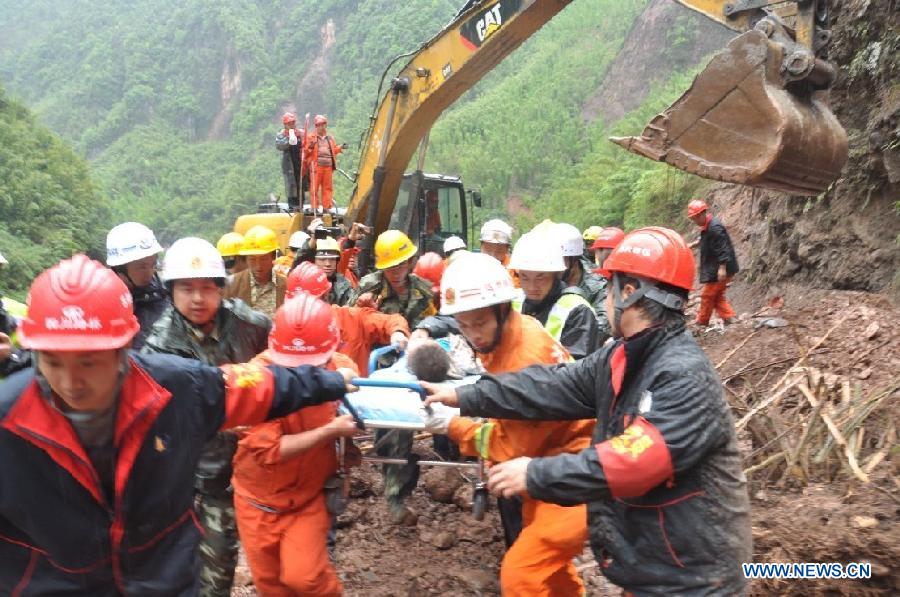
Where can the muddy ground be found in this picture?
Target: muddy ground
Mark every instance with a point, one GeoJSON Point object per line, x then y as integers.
{"type": "Point", "coordinates": [830, 517]}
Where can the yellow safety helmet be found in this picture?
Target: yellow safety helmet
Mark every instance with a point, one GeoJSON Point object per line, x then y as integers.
{"type": "Point", "coordinates": [392, 247]}
{"type": "Point", "coordinates": [259, 240]}
{"type": "Point", "coordinates": [546, 227]}
{"type": "Point", "coordinates": [328, 245]}
{"type": "Point", "coordinates": [230, 244]}
{"type": "Point", "coordinates": [591, 233]}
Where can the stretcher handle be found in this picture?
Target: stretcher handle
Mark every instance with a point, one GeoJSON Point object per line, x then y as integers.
{"type": "Point", "coordinates": [377, 353]}
{"type": "Point", "coordinates": [353, 412]}
{"type": "Point", "coordinates": [362, 382]}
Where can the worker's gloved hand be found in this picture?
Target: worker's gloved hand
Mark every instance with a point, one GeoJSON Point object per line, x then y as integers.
{"type": "Point", "coordinates": [292, 137]}
{"type": "Point", "coordinates": [438, 419]}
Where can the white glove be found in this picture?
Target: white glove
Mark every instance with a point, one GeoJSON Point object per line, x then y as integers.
{"type": "Point", "coordinates": [293, 138]}
{"type": "Point", "coordinates": [438, 420]}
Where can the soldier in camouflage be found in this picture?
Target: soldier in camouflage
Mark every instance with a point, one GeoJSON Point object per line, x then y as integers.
{"type": "Point", "coordinates": [201, 325]}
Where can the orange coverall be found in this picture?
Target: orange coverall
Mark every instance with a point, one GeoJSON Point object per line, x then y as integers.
{"type": "Point", "coordinates": [361, 327]}
{"type": "Point", "coordinates": [540, 561]}
{"type": "Point", "coordinates": [280, 507]}
{"type": "Point", "coordinates": [321, 176]}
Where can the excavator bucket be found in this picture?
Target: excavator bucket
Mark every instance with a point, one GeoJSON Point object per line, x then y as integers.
{"type": "Point", "coordinates": [744, 121]}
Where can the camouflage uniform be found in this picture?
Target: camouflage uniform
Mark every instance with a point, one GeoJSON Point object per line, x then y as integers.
{"type": "Point", "coordinates": [341, 291]}
{"type": "Point", "coordinates": [239, 335]}
{"type": "Point", "coordinates": [418, 305]}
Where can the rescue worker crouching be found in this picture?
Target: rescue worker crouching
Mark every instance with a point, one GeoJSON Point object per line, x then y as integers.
{"type": "Point", "coordinates": [202, 325]}
{"type": "Point", "coordinates": [132, 252]}
{"type": "Point", "coordinates": [563, 311]}
{"type": "Point", "coordinates": [102, 444]}
{"type": "Point", "coordinates": [281, 467]}
{"type": "Point", "coordinates": [258, 286]}
{"type": "Point", "coordinates": [394, 288]}
{"type": "Point", "coordinates": [478, 292]}
{"type": "Point", "coordinates": [667, 499]}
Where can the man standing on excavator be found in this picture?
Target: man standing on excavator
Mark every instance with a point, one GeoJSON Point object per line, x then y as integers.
{"type": "Point", "coordinates": [322, 151]}
{"type": "Point", "coordinates": [289, 141]}
{"type": "Point", "coordinates": [718, 263]}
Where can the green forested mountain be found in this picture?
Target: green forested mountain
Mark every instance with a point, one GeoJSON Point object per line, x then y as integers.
{"type": "Point", "coordinates": [176, 102]}
{"type": "Point", "coordinates": [48, 206]}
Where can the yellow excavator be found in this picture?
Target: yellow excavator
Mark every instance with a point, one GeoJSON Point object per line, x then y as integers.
{"type": "Point", "coordinates": [758, 114]}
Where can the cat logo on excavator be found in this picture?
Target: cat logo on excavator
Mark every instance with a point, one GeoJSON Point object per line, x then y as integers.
{"type": "Point", "coordinates": [487, 22]}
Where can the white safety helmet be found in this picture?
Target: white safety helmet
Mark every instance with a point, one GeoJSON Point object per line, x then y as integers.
{"type": "Point", "coordinates": [537, 252]}
{"type": "Point", "coordinates": [570, 240]}
{"type": "Point", "coordinates": [129, 242]}
{"type": "Point", "coordinates": [474, 281]}
{"type": "Point", "coordinates": [298, 239]}
{"type": "Point", "coordinates": [453, 243]}
{"type": "Point", "coordinates": [192, 258]}
{"type": "Point", "coordinates": [496, 231]}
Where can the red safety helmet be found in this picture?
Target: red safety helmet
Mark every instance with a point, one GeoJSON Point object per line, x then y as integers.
{"type": "Point", "coordinates": [307, 277]}
{"type": "Point", "coordinates": [608, 238]}
{"type": "Point", "coordinates": [430, 266]}
{"type": "Point", "coordinates": [78, 304]}
{"type": "Point", "coordinates": [320, 120]}
{"type": "Point", "coordinates": [696, 206]}
{"type": "Point", "coordinates": [656, 254]}
{"type": "Point", "coordinates": [304, 332]}
{"type": "Point", "coordinates": [289, 118]}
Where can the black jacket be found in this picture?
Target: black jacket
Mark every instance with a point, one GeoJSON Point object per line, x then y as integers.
{"type": "Point", "coordinates": [668, 510]}
{"type": "Point", "coordinates": [716, 249]}
{"type": "Point", "coordinates": [149, 304]}
{"type": "Point", "coordinates": [581, 334]}
{"type": "Point", "coordinates": [60, 535]}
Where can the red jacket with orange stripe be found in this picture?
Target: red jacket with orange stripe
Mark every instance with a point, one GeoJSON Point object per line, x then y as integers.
{"type": "Point", "coordinates": [668, 511]}
{"type": "Point", "coordinates": [59, 534]}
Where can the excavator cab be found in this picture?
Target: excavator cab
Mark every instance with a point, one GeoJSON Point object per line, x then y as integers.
{"type": "Point", "coordinates": [439, 211]}
{"type": "Point", "coordinates": [758, 114]}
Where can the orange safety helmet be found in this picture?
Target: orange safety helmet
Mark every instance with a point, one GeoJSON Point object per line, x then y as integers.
{"type": "Point", "coordinates": [304, 332]}
{"type": "Point", "coordinates": [653, 255]}
{"type": "Point", "coordinates": [608, 238]}
{"type": "Point", "coordinates": [78, 304]}
{"type": "Point", "coordinates": [307, 277]}
{"type": "Point", "coordinates": [656, 254]}
{"type": "Point", "coordinates": [288, 118]}
{"type": "Point", "coordinates": [696, 206]}
{"type": "Point", "coordinates": [320, 120]}
{"type": "Point", "coordinates": [431, 267]}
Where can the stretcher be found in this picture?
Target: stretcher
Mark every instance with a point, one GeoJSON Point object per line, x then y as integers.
{"type": "Point", "coordinates": [395, 405]}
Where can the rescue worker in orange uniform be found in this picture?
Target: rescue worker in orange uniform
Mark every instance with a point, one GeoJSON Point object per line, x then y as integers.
{"type": "Point", "coordinates": [281, 466]}
{"type": "Point", "coordinates": [718, 264]}
{"type": "Point", "coordinates": [322, 151]}
{"type": "Point", "coordinates": [361, 327]}
{"type": "Point", "coordinates": [478, 291]}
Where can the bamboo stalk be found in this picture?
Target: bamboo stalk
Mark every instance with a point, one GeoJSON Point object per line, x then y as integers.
{"type": "Point", "coordinates": [771, 459]}
{"type": "Point", "coordinates": [838, 437]}
{"type": "Point", "coordinates": [735, 349]}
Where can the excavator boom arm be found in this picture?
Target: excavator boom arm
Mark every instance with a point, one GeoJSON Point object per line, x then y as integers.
{"type": "Point", "coordinates": [447, 66]}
